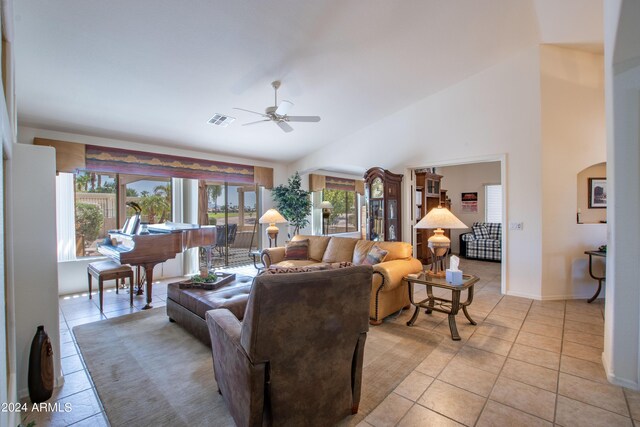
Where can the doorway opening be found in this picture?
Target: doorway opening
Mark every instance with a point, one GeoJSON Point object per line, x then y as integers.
{"type": "Point", "coordinates": [233, 210]}
{"type": "Point", "coordinates": [475, 192]}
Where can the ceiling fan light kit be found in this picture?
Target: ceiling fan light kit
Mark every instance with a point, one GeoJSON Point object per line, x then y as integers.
{"type": "Point", "coordinates": [278, 113]}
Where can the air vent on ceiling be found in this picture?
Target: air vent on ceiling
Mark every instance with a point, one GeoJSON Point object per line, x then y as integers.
{"type": "Point", "coordinates": [221, 120]}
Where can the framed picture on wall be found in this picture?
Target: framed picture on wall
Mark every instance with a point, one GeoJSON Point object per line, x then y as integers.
{"type": "Point", "coordinates": [597, 193]}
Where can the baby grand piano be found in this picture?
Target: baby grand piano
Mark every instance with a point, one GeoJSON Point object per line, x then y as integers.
{"type": "Point", "coordinates": [162, 242]}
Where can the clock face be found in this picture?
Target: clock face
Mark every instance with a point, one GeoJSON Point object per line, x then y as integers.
{"type": "Point", "coordinates": [377, 188]}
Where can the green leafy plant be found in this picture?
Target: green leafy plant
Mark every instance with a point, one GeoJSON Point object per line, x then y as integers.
{"type": "Point", "coordinates": [89, 220]}
{"type": "Point", "coordinates": [211, 278]}
{"type": "Point", "coordinates": [293, 202]}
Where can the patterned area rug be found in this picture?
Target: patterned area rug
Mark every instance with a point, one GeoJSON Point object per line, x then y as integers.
{"type": "Point", "coordinates": [151, 372]}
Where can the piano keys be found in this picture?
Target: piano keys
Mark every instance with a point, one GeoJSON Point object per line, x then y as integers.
{"type": "Point", "coordinates": [162, 243]}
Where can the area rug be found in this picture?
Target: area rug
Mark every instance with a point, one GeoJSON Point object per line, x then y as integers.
{"type": "Point", "coordinates": [149, 372]}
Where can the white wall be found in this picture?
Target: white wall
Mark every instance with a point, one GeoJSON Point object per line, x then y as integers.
{"type": "Point", "coordinates": [622, 308]}
{"type": "Point", "coordinates": [35, 274]}
{"type": "Point", "coordinates": [467, 179]}
{"type": "Point", "coordinates": [496, 112]}
{"type": "Point", "coordinates": [573, 138]}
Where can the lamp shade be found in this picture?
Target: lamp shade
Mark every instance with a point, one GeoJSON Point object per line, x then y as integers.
{"type": "Point", "coordinates": [440, 218]}
{"type": "Point", "coordinates": [271, 216]}
{"type": "Point", "coordinates": [326, 205]}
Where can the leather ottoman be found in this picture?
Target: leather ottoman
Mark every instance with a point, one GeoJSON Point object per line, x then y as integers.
{"type": "Point", "coordinates": [187, 307]}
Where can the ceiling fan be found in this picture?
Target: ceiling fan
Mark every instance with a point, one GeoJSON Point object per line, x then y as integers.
{"type": "Point", "coordinates": [278, 113]}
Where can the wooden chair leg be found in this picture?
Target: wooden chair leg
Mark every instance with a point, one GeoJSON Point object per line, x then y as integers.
{"type": "Point", "coordinates": [131, 290]}
{"type": "Point", "coordinates": [89, 276]}
{"type": "Point", "coordinates": [100, 291]}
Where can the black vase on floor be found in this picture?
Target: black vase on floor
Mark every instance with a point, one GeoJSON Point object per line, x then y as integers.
{"type": "Point", "coordinates": [40, 367]}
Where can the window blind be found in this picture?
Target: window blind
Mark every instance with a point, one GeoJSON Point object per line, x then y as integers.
{"type": "Point", "coordinates": [493, 205]}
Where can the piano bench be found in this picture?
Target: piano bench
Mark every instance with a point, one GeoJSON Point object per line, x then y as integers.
{"type": "Point", "coordinates": [109, 270]}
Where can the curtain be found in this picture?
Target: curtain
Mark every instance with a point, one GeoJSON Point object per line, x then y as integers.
{"type": "Point", "coordinates": [65, 217]}
{"type": "Point", "coordinates": [203, 203]}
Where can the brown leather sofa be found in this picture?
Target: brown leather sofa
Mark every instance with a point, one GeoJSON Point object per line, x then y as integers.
{"type": "Point", "coordinates": [296, 358]}
{"type": "Point", "coordinates": [388, 293]}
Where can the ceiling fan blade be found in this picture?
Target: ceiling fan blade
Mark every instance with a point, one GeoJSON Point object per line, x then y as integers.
{"type": "Point", "coordinates": [285, 126]}
{"type": "Point", "coordinates": [253, 123]}
{"type": "Point", "coordinates": [284, 108]}
{"type": "Point", "coordinates": [303, 118]}
{"type": "Point", "coordinates": [249, 111]}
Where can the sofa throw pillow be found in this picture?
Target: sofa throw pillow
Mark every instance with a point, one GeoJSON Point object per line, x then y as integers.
{"type": "Point", "coordinates": [375, 256]}
{"type": "Point", "coordinates": [274, 269]}
{"type": "Point", "coordinates": [481, 231]}
{"type": "Point", "coordinates": [297, 250]}
{"type": "Point", "coordinates": [304, 269]}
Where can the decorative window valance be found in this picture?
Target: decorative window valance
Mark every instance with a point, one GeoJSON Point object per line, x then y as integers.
{"type": "Point", "coordinates": [320, 182]}
{"type": "Point", "coordinates": [117, 160]}
{"type": "Point", "coordinates": [106, 159]}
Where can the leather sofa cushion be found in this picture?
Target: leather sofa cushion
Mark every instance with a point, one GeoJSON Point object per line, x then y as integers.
{"type": "Point", "coordinates": [339, 249]}
{"type": "Point", "coordinates": [396, 250]}
{"type": "Point", "coordinates": [361, 250]}
{"type": "Point", "coordinates": [317, 245]}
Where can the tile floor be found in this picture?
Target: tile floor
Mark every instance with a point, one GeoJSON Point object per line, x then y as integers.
{"type": "Point", "coordinates": [525, 363]}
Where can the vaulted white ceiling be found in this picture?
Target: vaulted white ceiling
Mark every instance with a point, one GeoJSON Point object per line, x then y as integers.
{"type": "Point", "coordinates": [155, 71]}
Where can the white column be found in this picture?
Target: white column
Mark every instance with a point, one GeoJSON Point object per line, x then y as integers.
{"type": "Point", "coordinates": [622, 307]}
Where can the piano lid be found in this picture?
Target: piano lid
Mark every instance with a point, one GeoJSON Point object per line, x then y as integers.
{"type": "Point", "coordinates": [173, 226]}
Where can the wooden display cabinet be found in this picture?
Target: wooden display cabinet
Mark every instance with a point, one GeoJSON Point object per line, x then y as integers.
{"type": "Point", "coordinates": [384, 206]}
{"type": "Point", "coordinates": [428, 187]}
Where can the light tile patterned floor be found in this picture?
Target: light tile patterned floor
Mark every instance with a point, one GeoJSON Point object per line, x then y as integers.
{"type": "Point", "coordinates": [525, 363]}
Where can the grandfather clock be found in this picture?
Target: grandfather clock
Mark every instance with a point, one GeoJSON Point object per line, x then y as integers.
{"type": "Point", "coordinates": [382, 193]}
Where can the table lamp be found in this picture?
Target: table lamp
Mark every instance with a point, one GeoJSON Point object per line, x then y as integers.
{"type": "Point", "coordinates": [326, 212]}
{"type": "Point", "coordinates": [439, 244]}
{"type": "Point", "coordinates": [272, 217]}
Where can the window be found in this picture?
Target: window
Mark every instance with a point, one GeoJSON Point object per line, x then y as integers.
{"type": "Point", "coordinates": [233, 206]}
{"type": "Point", "coordinates": [493, 203]}
{"type": "Point", "coordinates": [95, 210]}
{"type": "Point", "coordinates": [153, 194]}
{"type": "Point", "coordinates": [344, 215]}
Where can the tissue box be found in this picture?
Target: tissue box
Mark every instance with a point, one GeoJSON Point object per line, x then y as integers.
{"type": "Point", "coordinates": [454, 277]}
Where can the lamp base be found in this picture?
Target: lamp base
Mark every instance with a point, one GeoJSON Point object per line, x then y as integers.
{"type": "Point", "coordinates": [272, 233]}
{"type": "Point", "coordinates": [439, 245]}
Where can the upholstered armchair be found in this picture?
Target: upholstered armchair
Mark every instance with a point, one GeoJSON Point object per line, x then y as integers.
{"type": "Point", "coordinates": [484, 242]}
{"type": "Point", "coordinates": [296, 358]}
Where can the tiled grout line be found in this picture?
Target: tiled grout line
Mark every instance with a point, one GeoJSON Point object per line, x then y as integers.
{"type": "Point", "coordinates": [555, 406]}
{"type": "Point", "coordinates": [86, 372]}
{"type": "Point", "coordinates": [436, 378]}
{"type": "Point", "coordinates": [502, 368]}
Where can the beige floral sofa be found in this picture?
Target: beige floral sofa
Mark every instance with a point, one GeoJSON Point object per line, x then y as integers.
{"type": "Point", "coordinates": [388, 293]}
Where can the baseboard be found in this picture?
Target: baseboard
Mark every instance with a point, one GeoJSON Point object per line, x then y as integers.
{"type": "Point", "coordinates": [523, 295]}
{"type": "Point", "coordinates": [565, 297]}
{"type": "Point", "coordinates": [550, 297]}
{"type": "Point", "coordinates": [633, 385]}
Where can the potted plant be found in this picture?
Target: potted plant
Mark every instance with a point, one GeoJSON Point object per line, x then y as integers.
{"type": "Point", "coordinates": [293, 203]}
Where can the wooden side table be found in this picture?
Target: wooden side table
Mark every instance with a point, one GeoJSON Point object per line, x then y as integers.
{"type": "Point", "coordinates": [598, 278]}
{"type": "Point", "coordinates": [449, 307]}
